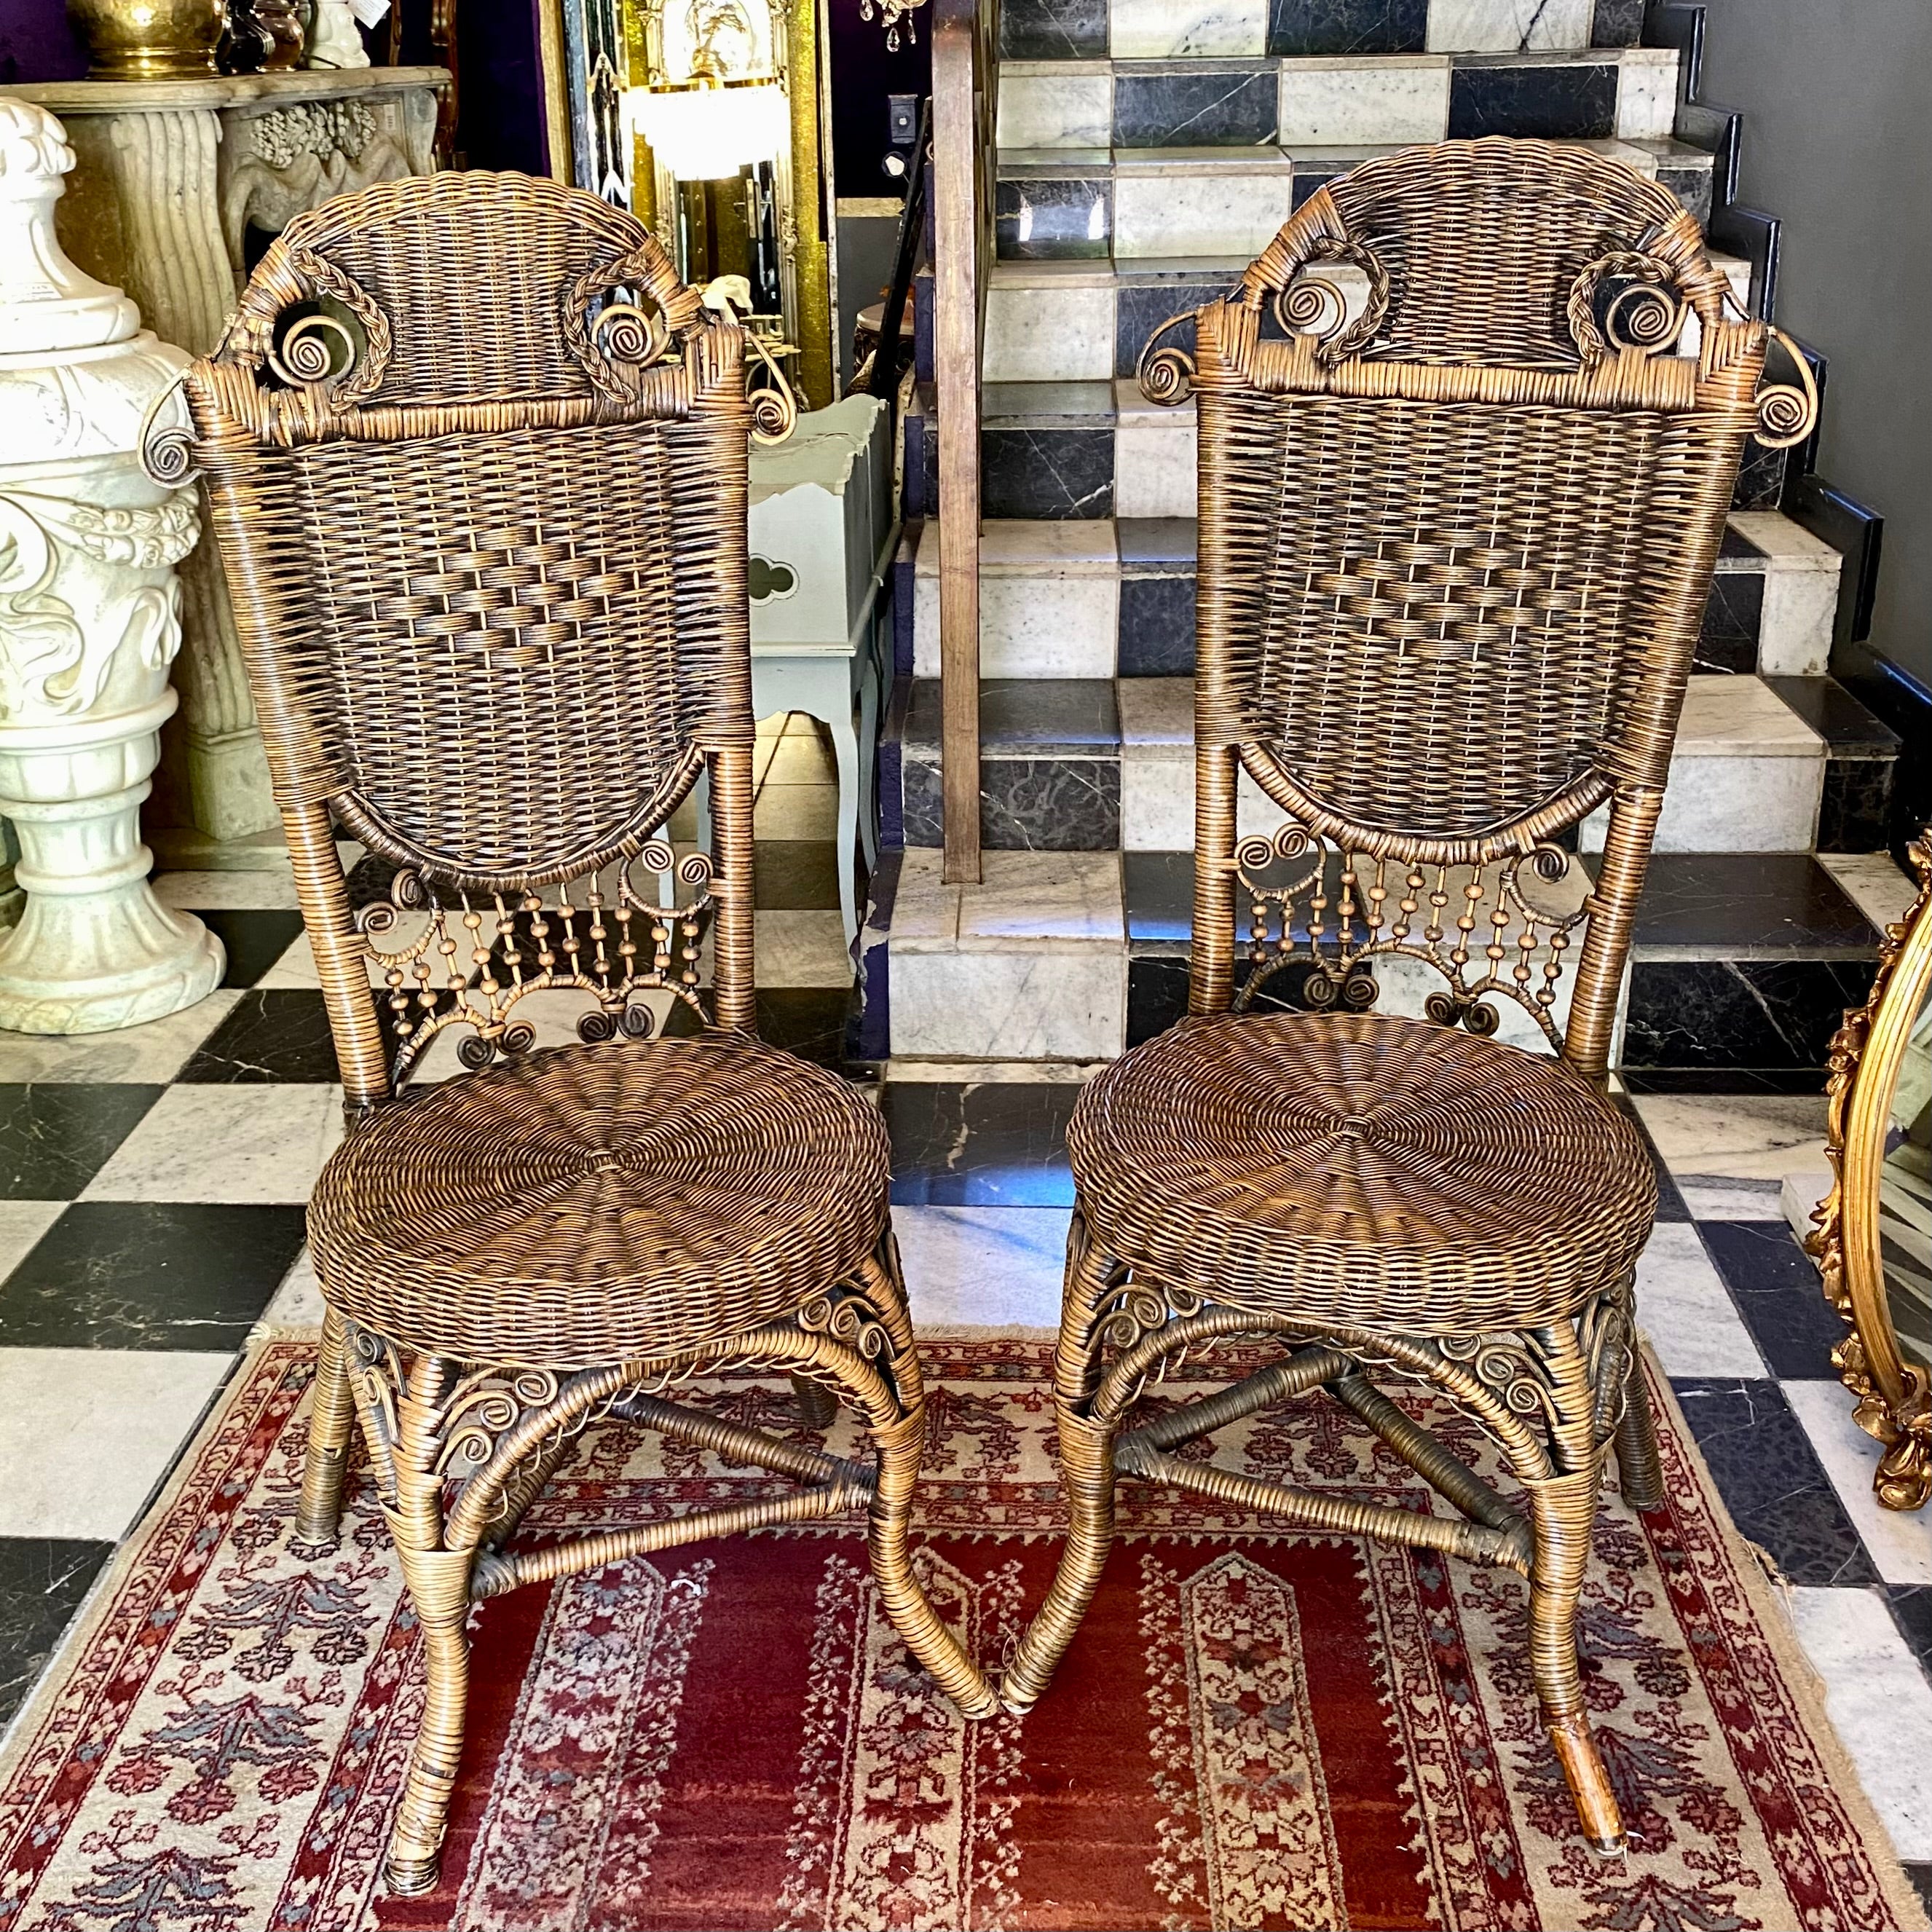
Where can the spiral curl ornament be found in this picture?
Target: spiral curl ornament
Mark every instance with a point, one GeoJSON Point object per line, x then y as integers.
{"type": "Point", "coordinates": [1643, 316]}
{"type": "Point", "coordinates": [519, 1038]}
{"type": "Point", "coordinates": [627, 334]}
{"type": "Point", "coordinates": [1310, 306]}
{"type": "Point", "coordinates": [1166, 375]}
{"type": "Point", "coordinates": [1550, 863]}
{"type": "Point", "coordinates": [167, 450]}
{"type": "Point", "coordinates": [595, 1027]}
{"type": "Point", "coordinates": [476, 1053]}
{"type": "Point", "coordinates": [312, 350]}
{"type": "Point", "coordinates": [1787, 412]}
{"type": "Point", "coordinates": [694, 869]}
{"type": "Point", "coordinates": [376, 918]}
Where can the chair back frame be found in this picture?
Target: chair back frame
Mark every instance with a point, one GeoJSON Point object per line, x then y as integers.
{"type": "Point", "coordinates": [477, 463]}
{"type": "Point", "coordinates": [1456, 535]}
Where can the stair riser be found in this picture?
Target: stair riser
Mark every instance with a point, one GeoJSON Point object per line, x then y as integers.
{"type": "Point", "coordinates": [1185, 29]}
{"type": "Point", "coordinates": [1088, 211]}
{"type": "Point", "coordinates": [1629, 95]}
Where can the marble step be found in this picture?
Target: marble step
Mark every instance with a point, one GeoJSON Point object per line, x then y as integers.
{"type": "Point", "coordinates": [1099, 598]}
{"type": "Point", "coordinates": [1069, 204]}
{"type": "Point", "coordinates": [1205, 29]}
{"type": "Point", "coordinates": [1628, 94]}
{"type": "Point", "coordinates": [1094, 447]}
{"type": "Point", "coordinates": [1780, 764]}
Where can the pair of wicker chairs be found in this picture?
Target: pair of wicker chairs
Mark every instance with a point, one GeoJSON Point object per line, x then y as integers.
{"type": "Point", "coordinates": [477, 463]}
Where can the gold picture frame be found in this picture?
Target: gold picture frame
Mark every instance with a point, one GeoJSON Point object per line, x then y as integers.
{"type": "Point", "coordinates": [1894, 1395]}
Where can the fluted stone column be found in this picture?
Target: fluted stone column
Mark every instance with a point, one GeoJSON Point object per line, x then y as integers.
{"type": "Point", "coordinates": [90, 624]}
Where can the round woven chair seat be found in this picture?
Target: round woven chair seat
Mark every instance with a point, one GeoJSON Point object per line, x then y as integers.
{"type": "Point", "coordinates": [1361, 1168]}
{"type": "Point", "coordinates": [587, 1204]}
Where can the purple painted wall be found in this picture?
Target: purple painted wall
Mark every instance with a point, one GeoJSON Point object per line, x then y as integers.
{"type": "Point", "coordinates": [36, 44]}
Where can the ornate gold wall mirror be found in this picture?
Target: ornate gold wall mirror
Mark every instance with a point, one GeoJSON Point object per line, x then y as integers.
{"type": "Point", "coordinates": [702, 117]}
{"type": "Point", "coordinates": [1873, 1241]}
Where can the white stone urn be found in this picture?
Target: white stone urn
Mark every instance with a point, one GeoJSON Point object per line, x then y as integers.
{"type": "Point", "coordinates": [89, 623]}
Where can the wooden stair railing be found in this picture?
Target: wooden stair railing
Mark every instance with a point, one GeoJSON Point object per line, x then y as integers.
{"type": "Point", "coordinates": [965, 43]}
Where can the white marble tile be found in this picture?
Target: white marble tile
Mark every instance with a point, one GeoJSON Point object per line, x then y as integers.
{"type": "Point", "coordinates": [85, 1433]}
{"type": "Point", "coordinates": [297, 1302]}
{"type": "Point", "coordinates": [225, 1144]}
{"type": "Point", "coordinates": [1747, 775]}
{"type": "Point", "coordinates": [1049, 600]}
{"type": "Point", "coordinates": [1900, 1541]}
{"type": "Point", "coordinates": [1719, 1197]}
{"type": "Point", "coordinates": [1038, 332]}
{"type": "Point", "coordinates": [1743, 1136]}
{"type": "Point", "coordinates": [1157, 464]}
{"type": "Point", "coordinates": [1507, 26]}
{"type": "Point", "coordinates": [265, 891]}
{"type": "Point", "coordinates": [1035, 899]}
{"type": "Point", "coordinates": [1790, 544]}
{"type": "Point", "coordinates": [925, 909]}
{"type": "Point", "coordinates": [800, 949]}
{"type": "Point", "coordinates": [1028, 546]}
{"type": "Point", "coordinates": [1801, 607]}
{"type": "Point", "coordinates": [1730, 717]}
{"type": "Point", "coordinates": [1879, 1704]}
{"type": "Point", "coordinates": [1055, 104]}
{"type": "Point", "coordinates": [151, 1054]}
{"type": "Point", "coordinates": [996, 1072]}
{"type": "Point", "coordinates": [22, 1224]}
{"type": "Point", "coordinates": [1872, 882]}
{"type": "Point", "coordinates": [1180, 29]}
{"type": "Point", "coordinates": [1354, 102]}
{"type": "Point", "coordinates": [1064, 1003]}
{"type": "Point", "coordinates": [1157, 770]}
{"type": "Point", "coordinates": [983, 1267]}
{"type": "Point", "coordinates": [1218, 213]}
{"type": "Point", "coordinates": [1684, 1306]}
{"type": "Point", "coordinates": [1646, 94]}
{"type": "Point", "coordinates": [1798, 1195]}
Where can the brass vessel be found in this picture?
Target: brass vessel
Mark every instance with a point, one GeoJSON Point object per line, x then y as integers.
{"type": "Point", "coordinates": [149, 39]}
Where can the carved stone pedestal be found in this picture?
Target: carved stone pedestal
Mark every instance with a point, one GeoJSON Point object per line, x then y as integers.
{"type": "Point", "coordinates": [179, 185]}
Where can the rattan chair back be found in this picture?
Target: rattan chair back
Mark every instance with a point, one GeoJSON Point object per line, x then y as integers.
{"type": "Point", "coordinates": [477, 462]}
{"type": "Point", "coordinates": [1456, 536]}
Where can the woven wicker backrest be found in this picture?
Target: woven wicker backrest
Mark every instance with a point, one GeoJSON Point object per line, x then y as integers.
{"type": "Point", "coordinates": [1456, 543]}
{"type": "Point", "coordinates": [477, 462]}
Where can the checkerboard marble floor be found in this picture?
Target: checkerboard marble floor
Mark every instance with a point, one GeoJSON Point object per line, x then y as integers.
{"type": "Point", "coordinates": [151, 1191]}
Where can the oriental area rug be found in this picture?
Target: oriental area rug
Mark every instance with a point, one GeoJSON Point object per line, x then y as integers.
{"type": "Point", "coordinates": [1256, 1727]}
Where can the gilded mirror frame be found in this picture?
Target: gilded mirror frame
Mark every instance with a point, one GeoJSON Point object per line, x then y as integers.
{"type": "Point", "coordinates": [1894, 1401]}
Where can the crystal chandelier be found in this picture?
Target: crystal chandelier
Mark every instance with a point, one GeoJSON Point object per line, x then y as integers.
{"type": "Point", "coordinates": [892, 12]}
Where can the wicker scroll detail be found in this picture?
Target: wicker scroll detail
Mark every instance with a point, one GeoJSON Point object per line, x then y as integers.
{"type": "Point", "coordinates": [1319, 918]}
{"type": "Point", "coordinates": [312, 349]}
{"type": "Point", "coordinates": [465, 962]}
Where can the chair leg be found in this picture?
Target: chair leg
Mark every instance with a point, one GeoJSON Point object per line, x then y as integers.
{"type": "Point", "coordinates": [819, 1406]}
{"type": "Point", "coordinates": [438, 1582]}
{"type": "Point", "coordinates": [1086, 1472]}
{"type": "Point", "coordinates": [331, 1426]}
{"type": "Point", "coordinates": [899, 1439]}
{"type": "Point", "coordinates": [1639, 1470]}
{"type": "Point", "coordinates": [1563, 1509]}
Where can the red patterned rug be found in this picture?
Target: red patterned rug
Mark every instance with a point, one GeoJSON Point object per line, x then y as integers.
{"type": "Point", "coordinates": [1253, 1728]}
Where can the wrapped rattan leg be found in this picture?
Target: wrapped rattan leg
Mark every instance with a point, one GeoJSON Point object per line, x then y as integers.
{"type": "Point", "coordinates": [1639, 1471]}
{"type": "Point", "coordinates": [1563, 1508]}
{"type": "Point", "coordinates": [1086, 1473]}
{"type": "Point", "coordinates": [438, 1581]}
{"type": "Point", "coordinates": [818, 1406]}
{"type": "Point", "coordinates": [899, 1438]}
{"type": "Point", "coordinates": [331, 1424]}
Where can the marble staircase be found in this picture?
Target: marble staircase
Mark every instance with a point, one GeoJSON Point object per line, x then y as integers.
{"type": "Point", "coordinates": [1147, 151]}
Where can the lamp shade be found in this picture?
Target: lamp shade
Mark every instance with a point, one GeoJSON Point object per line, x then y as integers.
{"type": "Point", "coordinates": [705, 133]}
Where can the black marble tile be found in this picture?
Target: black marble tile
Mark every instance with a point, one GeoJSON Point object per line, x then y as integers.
{"type": "Point", "coordinates": [796, 874]}
{"type": "Point", "coordinates": [1159, 890]}
{"type": "Point", "coordinates": [1056, 29]}
{"type": "Point", "coordinates": [1026, 804]}
{"type": "Point", "coordinates": [1213, 107]}
{"type": "Point", "coordinates": [1547, 102]}
{"type": "Point", "coordinates": [1776, 1286]}
{"type": "Point", "coordinates": [1849, 729]}
{"type": "Point", "coordinates": [274, 1033]}
{"type": "Point", "coordinates": [1737, 1014]}
{"type": "Point", "coordinates": [1053, 218]}
{"type": "Point", "coordinates": [1691, 186]}
{"type": "Point", "coordinates": [1855, 809]}
{"type": "Point", "coordinates": [808, 1020]}
{"type": "Point", "coordinates": [1157, 544]}
{"type": "Point", "coordinates": [1912, 1611]}
{"type": "Point", "coordinates": [1157, 633]}
{"type": "Point", "coordinates": [1140, 307]}
{"type": "Point", "coordinates": [1735, 547]}
{"type": "Point", "coordinates": [43, 1579]}
{"type": "Point", "coordinates": [1735, 902]}
{"type": "Point", "coordinates": [54, 1139]}
{"type": "Point", "coordinates": [1051, 473]}
{"type": "Point", "coordinates": [1617, 23]}
{"type": "Point", "coordinates": [1772, 1481]}
{"type": "Point", "coordinates": [1722, 1079]}
{"type": "Point", "coordinates": [1760, 478]}
{"type": "Point", "coordinates": [144, 1274]}
{"type": "Point", "coordinates": [1670, 1203]}
{"type": "Point", "coordinates": [1728, 640]}
{"type": "Point", "coordinates": [1030, 717]}
{"type": "Point", "coordinates": [1920, 1876]}
{"type": "Point", "coordinates": [1156, 994]}
{"type": "Point", "coordinates": [1347, 26]}
{"type": "Point", "coordinates": [253, 940]}
{"type": "Point", "coordinates": [990, 1143]}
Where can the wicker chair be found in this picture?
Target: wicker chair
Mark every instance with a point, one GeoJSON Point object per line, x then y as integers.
{"type": "Point", "coordinates": [477, 462]}
{"type": "Point", "coordinates": [1456, 533]}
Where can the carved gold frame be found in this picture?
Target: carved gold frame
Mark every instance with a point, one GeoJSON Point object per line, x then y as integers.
{"type": "Point", "coordinates": [1894, 1397]}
